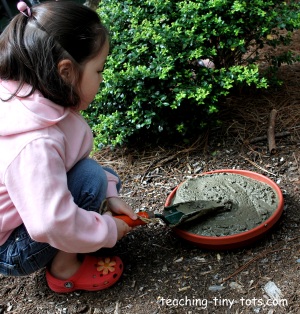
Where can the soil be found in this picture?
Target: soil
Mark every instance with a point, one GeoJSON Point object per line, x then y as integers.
{"type": "Point", "coordinates": [164, 273]}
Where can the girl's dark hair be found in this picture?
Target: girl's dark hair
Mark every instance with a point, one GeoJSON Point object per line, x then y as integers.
{"type": "Point", "coordinates": [31, 48]}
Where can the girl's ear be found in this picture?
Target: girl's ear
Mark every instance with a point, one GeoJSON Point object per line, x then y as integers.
{"type": "Point", "coordinates": [66, 71]}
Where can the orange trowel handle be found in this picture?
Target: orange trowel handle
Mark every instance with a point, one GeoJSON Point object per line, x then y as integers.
{"type": "Point", "coordinates": [133, 223]}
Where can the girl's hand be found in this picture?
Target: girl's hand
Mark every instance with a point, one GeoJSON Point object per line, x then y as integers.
{"type": "Point", "coordinates": [118, 206]}
{"type": "Point", "coordinates": [122, 228]}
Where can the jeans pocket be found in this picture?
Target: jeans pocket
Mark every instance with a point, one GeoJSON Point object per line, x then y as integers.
{"type": "Point", "coordinates": [36, 256]}
{"type": "Point", "coordinates": [9, 264]}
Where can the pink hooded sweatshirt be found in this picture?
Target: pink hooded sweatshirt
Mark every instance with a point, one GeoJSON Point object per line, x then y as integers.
{"type": "Point", "coordinates": [39, 143]}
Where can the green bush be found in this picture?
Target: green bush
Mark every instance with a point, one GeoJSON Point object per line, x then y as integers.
{"type": "Point", "coordinates": [154, 85]}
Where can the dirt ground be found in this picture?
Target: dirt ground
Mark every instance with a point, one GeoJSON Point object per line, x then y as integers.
{"type": "Point", "coordinates": [166, 274]}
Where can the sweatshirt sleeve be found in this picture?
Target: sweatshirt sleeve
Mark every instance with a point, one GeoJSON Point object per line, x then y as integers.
{"type": "Point", "coordinates": [37, 184]}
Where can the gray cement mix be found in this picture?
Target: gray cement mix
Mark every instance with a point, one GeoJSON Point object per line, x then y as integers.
{"type": "Point", "coordinates": [253, 202]}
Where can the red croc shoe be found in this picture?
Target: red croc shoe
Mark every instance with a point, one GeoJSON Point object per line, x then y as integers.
{"type": "Point", "coordinates": [95, 273]}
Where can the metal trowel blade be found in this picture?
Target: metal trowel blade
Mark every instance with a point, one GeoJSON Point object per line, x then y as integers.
{"type": "Point", "coordinates": [179, 213]}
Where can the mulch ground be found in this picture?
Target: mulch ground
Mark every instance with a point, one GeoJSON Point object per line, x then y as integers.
{"type": "Point", "coordinates": [165, 274]}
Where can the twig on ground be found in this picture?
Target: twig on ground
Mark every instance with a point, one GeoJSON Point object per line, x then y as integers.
{"type": "Point", "coordinates": [271, 132]}
{"type": "Point", "coordinates": [265, 137]}
{"type": "Point", "coordinates": [257, 166]}
{"type": "Point", "coordinates": [166, 159]}
{"type": "Point", "coordinates": [251, 261]}
{"type": "Point", "coordinates": [296, 160]}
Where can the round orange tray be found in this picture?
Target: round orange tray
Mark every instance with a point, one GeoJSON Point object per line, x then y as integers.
{"type": "Point", "coordinates": [240, 239]}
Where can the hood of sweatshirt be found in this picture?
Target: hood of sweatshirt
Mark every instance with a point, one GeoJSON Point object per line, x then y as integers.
{"type": "Point", "coordinates": [20, 115]}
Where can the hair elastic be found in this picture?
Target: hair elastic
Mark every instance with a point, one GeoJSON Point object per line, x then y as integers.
{"type": "Point", "coordinates": [22, 7]}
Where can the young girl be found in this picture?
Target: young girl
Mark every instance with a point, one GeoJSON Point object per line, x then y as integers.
{"type": "Point", "coordinates": [51, 61]}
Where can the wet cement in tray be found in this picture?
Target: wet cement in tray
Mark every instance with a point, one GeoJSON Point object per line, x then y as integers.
{"type": "Point", "coordinates": [252, 203]}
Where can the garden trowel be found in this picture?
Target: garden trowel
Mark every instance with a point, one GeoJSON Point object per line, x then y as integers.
{"type": "Point", "coordinates": [179, 213]}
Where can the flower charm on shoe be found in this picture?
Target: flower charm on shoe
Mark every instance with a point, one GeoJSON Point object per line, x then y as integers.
{"type": "Point", "coordinates": [106, 265]}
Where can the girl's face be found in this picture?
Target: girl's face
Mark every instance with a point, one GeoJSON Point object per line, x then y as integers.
{"type": "Point", "coordinates": [92, 77]}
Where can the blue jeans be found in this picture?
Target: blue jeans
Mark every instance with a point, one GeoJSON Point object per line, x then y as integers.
{"type": "Point", "coordinates": [20, 255]}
